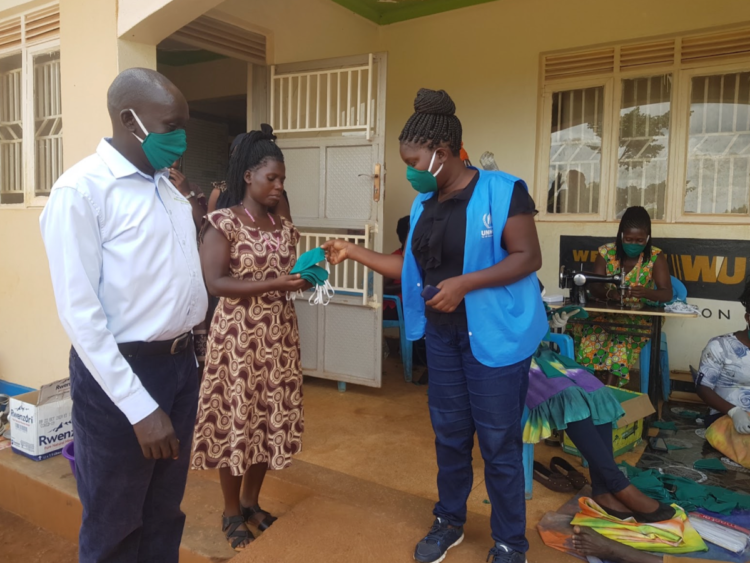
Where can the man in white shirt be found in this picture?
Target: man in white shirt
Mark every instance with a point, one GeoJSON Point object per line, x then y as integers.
{"type": "Point", "coordinates": [126, 274]}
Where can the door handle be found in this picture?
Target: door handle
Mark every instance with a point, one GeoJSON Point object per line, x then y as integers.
{"type": "Point", "coordinates": [376, 183]}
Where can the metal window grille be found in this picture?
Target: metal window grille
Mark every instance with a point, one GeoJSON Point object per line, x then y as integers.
{"type": "Point", "coordinates": [47, 122]}
{"type": "Point", "coordinates": [11, 137]}
{"type": "Point", "coordinates": [338, 99]}
{"type": "Point", "coordinates": [349, 276]}
{"type": "Point", "coordinates": [718, 170]}
{"type": "Point", "coordinates": [575, 151]}
{"type": "Point", "coordinates": [644, 144]}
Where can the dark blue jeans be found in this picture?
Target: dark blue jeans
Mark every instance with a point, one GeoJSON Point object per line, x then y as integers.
{"type": "Point", "coordinates": [131, 505]}
{"type": "Point", "coordinates": [465, 397]}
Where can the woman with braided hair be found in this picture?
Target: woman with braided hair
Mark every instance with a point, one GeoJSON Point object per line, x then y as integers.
{"type": "Point", "coordinates": [646, 272]}
{"type": "Point", "coordinates": [250, 415]}
{"type": "Point", "coordinates": [468, 282]}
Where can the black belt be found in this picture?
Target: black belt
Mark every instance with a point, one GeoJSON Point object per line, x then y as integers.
{"type": "Point", "coordinates": [158, 348]}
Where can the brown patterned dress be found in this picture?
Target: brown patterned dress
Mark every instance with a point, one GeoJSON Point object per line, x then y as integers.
{"type": "Point", "coordinates": [250, 408]}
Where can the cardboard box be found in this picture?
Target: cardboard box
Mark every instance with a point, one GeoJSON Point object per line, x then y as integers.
{"type": "Point", "coordinates": [629, 431]}
{"type": "Point", "coordinates": [41, 421]}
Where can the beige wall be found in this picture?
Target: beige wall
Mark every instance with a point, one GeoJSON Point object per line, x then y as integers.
{"type": "Point", "coordinates": [305, 30]}
{"type": "Point", "coordinates": [487, 58]}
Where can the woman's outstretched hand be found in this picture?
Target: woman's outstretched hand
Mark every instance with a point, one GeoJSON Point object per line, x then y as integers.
{"type": "Point", "coordinates": [337, 250]}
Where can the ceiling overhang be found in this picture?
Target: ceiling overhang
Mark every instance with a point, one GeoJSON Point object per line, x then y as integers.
{"type": "Point", "coordinates": [384, 12]}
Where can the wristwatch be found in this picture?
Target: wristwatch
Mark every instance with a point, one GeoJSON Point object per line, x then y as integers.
{"type": "Point", "coordinates": [190, 195]}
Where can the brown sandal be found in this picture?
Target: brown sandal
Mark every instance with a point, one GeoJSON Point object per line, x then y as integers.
{"type": "Point", "coordinates": [561, 466]}
{"type": "Point", "coordinates": [553, 481]}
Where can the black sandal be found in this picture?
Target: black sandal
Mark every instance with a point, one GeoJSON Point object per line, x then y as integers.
{"type": "Point", "coordinates": [664, 512]}
{"type": "Point", "coordinates": [561, 466]}
{"type": "Point", "coordinates": [249, 511]}
{"type": "Point", "coordinates": [236, 532]}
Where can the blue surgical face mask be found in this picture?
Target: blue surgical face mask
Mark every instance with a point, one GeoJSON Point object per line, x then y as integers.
{"type": "Point", "coordinates": [162, 149]}
{"type": "Point", "coordinates": [424, 181]}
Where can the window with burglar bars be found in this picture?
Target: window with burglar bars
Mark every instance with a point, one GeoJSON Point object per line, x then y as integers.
{"type": "Point", "coordinates": [663, 124]}
{"type": "Point", "coordinates": [30, 107]}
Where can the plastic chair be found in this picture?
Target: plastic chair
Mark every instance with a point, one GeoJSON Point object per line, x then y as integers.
{"type": "Point", "coordinates": [406, 348]}
{"type": "Point", "coordinates": [679, 291]}
{"type": "Point", "coordinates": [565, 343]}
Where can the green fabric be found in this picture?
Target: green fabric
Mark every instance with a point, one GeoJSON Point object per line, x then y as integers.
{"type": "Point", "coordinates": [664, 425]}
{"type": "Point", "coordinates": [307, 267]}
{"type": "Point", "coordinates": [676, 447]}
{"type": "Point", "coordinates": [711, 464]}
{"type": "Point", "coordinates": [581, 314]}
{"type": "Point", "coordinates": [688, 494]}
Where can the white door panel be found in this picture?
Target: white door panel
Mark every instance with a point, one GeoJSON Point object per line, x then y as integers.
{"type": "Point", "coordinates": [334, 193]}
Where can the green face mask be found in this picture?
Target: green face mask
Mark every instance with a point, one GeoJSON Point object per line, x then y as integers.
{"type": "Point", "coordinates": [162, 149]}
{"type": "Point", "coordinates": [633, 250]}
{"type": "Point", "coordinates": [423, 181]}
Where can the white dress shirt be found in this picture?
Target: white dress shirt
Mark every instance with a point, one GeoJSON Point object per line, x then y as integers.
{"type": "Point", "coordinates": [124, 263]}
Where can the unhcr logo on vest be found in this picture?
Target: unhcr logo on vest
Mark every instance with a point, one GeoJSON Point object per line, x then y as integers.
{"type": "Point", "coordinates": [487, 220]}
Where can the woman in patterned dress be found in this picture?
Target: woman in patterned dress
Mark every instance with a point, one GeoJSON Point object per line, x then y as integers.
{"type": "Point", "coordinates": [647, 276]}
{"type": "Point", "coordinates": [250, 415]}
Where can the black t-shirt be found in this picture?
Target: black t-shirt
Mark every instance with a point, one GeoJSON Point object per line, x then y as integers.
{"type": "Point", "coordinates": [439, 239]}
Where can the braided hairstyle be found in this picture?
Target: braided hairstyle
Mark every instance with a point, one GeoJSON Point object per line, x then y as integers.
{"type": "Point", "coordinates": [254, 150]}
{"type": "Point", "coordinates": [745, 297]}
{"type": "Point", "coordinates": [433, 122]}
{"type": "Point", "coordinates": [634, 218]}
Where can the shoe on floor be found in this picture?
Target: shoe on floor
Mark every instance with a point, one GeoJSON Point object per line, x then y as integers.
{"type": "Point", "coordinates": [437, 542]}
{"type": "Point", "coordinates": [501, 553]}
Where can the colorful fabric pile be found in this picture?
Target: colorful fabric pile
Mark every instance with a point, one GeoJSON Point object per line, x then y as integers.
{"type": "Point", "coordinates": [671, 536]}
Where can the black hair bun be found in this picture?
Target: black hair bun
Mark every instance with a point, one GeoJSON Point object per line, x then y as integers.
{"type": "Point", "coordinates": [267, 132]}
{"type": "Point", "coordinates": [434, 102]}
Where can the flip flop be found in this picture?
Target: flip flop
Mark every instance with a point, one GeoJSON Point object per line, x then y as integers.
{"type": "Point", "coordinates": [562, 467]}
{"type": "Point", "coordinates": [553, 481]}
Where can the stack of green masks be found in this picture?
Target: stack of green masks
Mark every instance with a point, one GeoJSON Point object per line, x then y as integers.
{"type": "Point", "coordinates": [308, 269]}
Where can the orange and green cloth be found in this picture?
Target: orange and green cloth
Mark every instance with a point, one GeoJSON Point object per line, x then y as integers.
{"type": "Point", "coordinates": [671, 536]}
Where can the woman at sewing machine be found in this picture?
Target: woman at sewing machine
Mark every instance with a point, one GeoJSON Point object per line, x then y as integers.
{"type": "Point", "coordinates": [632, 254]}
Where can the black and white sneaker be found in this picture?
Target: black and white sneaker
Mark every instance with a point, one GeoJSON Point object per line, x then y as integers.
{"type": "Point", "coordinates": [435, 545]}
{"type": "Point", "coordinates": [501, 553]}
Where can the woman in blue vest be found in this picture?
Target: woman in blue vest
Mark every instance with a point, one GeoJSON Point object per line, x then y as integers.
{"type": "Point", "coordinates": [468, 282]}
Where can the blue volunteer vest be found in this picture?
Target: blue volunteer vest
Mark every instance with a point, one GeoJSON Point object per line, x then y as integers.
{"type": "Point", "coordinates": [506, 324]}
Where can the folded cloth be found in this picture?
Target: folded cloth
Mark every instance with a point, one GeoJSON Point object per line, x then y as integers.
{"type": "Point", "coordinates": [676, 535]}
{"type": "Point", "coordinates": [308, 269]}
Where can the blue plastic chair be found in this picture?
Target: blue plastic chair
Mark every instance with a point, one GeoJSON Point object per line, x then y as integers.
{"type": "Point", "coordinates": [679, 291]}
{"type": "Point", "coordinates": [406, 348]}
{"type": "Point", "coordinates": [565, 343]}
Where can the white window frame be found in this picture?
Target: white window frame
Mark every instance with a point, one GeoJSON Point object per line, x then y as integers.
{"type": "Point", "coordinates": [682, 75]}
{"type": "Point", "coordinates": [545, 142]}
{"type": "Point", "coordinates": [686, 77]}
{"type": "Point", "coordinates": [29, 132]}
{"type": "Point", "coordinates": [28, 50]}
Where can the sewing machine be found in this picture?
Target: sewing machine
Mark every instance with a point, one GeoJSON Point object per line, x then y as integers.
{"type": "Point", "coordinates": [577, 282]}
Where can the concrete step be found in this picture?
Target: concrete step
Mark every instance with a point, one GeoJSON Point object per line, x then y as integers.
{"type": "Point", "coordinates": [21, 541]}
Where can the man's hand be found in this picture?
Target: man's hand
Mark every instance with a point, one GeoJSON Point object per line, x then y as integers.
{"type": "Point", "coordinates": [156, 436]}
{"type": "Point", "coordinates": [740, 419]}
{"type": "Point", "coordinates": [452, 292]}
